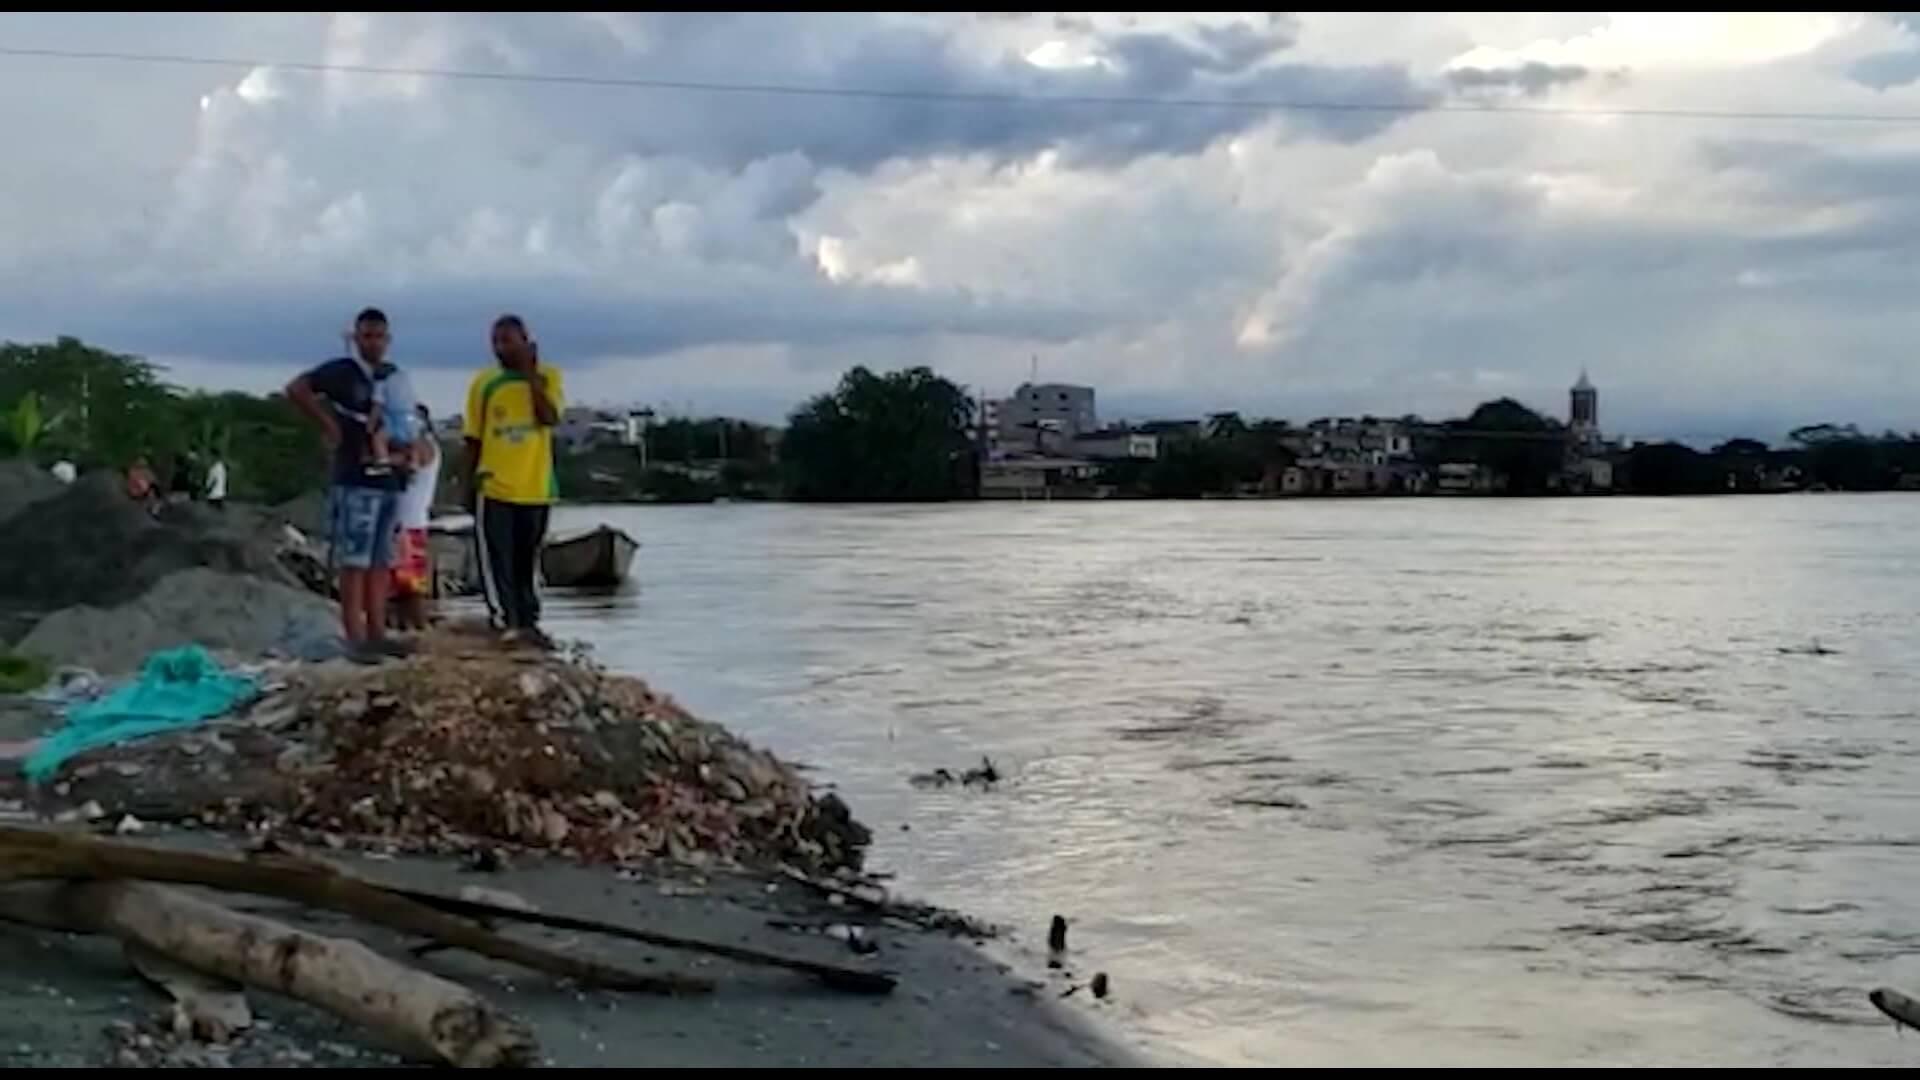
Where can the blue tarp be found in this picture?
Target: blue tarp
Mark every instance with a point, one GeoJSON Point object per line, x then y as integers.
{"type": "Point", "coordinates": [177, 688]}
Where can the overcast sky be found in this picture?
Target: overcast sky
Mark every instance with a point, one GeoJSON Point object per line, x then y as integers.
{"type": "Point", "coordinates": [735, 251]}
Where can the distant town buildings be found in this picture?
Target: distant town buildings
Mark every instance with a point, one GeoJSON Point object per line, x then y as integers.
{"type": "Point", "coordinates": [1045, 441]}
{"type": "Point", "coordinates": [1590, 456]}
{"type": "Point", "coordinates": [1583, 413]}
{"type": "Point", "coordinates": [1116, 444]}
{"type": "Point", "coordinates": [1038, 418]}
{"type": "Point", "coordinates": [583, 427]}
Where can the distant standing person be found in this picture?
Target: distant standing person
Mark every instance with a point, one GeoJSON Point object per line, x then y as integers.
{"type": "Point", "coordinates": [340, 397]}
{"type": "Point", "coordinates": [511, 412]}
{"type": "Point", "coordinates": [217, 483]}
{"type": "Point", "coordinates": [180, 488]}
{"type": "Point", "coordinates": [142, 486]}
{"type": "Point", "coordinates": [413, 566]}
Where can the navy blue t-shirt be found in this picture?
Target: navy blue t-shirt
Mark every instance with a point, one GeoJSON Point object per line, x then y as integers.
{"type": "Point", "coordinates": [347, 388]}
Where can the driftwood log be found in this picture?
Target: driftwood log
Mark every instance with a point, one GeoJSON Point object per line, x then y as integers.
{"type": "Point", "coordinates": [205, 1007]}
{"type": "Point", "coordinates": [424, 1016]}
{"type": "Point", "coordinates": [41, 854]}
{"type": "Point", "coordinates": [1898, 1007]}
{"type": "Point", "coordinates": [855, 980]}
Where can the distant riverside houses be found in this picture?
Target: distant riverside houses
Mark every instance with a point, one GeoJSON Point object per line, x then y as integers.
{"type": "Point", "coordinates": [583, 427]}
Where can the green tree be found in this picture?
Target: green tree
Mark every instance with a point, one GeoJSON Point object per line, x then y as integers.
{"type": "Point", "coordinates": [112, 405]}
{"type": "Point", "coordinates": [1670, 468]}
{"type": "Point", "coordinates": [903, 436]}
{"type": "Point", "coordinates": [25, 424]}
{"type": "Point", "coordinates": [1209, 467]}
{"type": "Point", "coordinates": [1527, 449]}
{"type": "Point", "coordinates": [102, 409]}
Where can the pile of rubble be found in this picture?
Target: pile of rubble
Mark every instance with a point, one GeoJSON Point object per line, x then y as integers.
{"type": "Point", "coordinates": [465, 748]}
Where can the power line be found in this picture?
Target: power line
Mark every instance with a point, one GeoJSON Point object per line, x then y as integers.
{"type": "Point", "coordinates": [960, 97]}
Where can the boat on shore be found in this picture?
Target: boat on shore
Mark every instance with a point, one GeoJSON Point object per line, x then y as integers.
{"type": "Point", "coordinates": [597, 558]}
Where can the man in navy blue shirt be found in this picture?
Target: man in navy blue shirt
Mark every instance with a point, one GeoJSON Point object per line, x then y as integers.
{"type": "Point", "coordinates": [342, 397]}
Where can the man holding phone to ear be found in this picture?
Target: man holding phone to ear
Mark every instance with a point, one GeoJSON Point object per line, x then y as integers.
{"type": "Point", "coordinates": [511, 412]}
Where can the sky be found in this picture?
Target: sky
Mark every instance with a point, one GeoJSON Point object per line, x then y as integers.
{"type": "Point", "coordinates": [734, 249]}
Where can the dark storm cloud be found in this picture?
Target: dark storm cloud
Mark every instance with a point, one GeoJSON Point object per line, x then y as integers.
{"type": "Point", "coordinates": [1887, 70]}
{"type": "Point", "coordinates": [946, 98]}
{"type": "Point", "coordinates": [1532, 78]}
{"type": "Point", "coordinates": [445, 322]}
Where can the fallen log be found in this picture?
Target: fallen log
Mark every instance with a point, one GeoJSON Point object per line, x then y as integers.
{"type": "Point", "coordinates": [423, 1016]}
{"type": "Point", "coordinates": [855, 980]}
{"type": "Point", "coordinates": [30, 854]}
{"type": "Point", "coordinates": [1899, 1008]}
{"type": "Point", "coordinates": [205, 1007]}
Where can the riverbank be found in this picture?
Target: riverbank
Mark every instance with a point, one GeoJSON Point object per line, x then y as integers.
{"type": "Point", "coordinates": [276, 768]}
{"type": "Point", "coordinates": [540, 778]}
{"type": "Point", "coordinates": [74, 1003]}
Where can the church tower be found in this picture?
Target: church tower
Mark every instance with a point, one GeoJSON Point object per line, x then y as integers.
{"type": "Point", "coordinates": [1583, 419]}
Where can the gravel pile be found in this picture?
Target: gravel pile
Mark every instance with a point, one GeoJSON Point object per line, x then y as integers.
{"type": "Point", "coordinates": [469, 749]}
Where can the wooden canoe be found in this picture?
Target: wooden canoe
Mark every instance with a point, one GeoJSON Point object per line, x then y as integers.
{"type": "Point", "coordinates": [597, 558]}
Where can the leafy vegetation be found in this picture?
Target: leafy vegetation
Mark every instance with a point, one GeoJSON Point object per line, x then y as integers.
{"type": "Point", "coordinates": [905, 436]}
{"type": "Point", "coordinates": [19, 674]}
{"type": "Point", "coordinates": [102, 409]}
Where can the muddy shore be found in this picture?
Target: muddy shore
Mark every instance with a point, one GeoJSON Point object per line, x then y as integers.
{"type": "Point", "coordinates": [72, 1001]}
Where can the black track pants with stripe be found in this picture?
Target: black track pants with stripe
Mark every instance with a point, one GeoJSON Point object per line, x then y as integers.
{"type": "Point", "coordinates": [509, 536]}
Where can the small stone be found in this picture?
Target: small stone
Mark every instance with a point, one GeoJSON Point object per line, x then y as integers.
{"type": "Point", "coordinates": [1100, 985]}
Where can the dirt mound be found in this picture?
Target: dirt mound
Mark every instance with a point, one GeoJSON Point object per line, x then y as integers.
{"type": "Point", "coordinates": [232, 612]}
{"type": "Point", "coordinates": [467, 748]}
{"type": "Point", "coordinates": [90, 544]}
{"type": "Point", "coordinates": [23, 483]}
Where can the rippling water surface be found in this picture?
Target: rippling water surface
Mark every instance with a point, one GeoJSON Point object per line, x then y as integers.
{"type": "Point", "coordinates": [1408, 782]}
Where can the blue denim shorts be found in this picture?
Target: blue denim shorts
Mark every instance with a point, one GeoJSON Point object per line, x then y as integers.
{"type": "Point", "coordinates": [362, 529]}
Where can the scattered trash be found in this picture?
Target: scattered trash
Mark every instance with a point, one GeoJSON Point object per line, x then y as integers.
{"type": "Point", "coordinates": [1815, 649]}
{"type": "Point", "coordinates": [460, 750]}
{"type": "Point", "coordinates": [854, 937]}
{"type": "Point", "coordinates": [87, 811]}
{"type": "Point", "coordinates": [177, 688]}
{"type": "Point", "coordinates": [69, 684]}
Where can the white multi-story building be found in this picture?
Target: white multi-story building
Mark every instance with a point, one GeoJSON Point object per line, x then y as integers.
{"type": "Point", "coordinates": [1039, 417]}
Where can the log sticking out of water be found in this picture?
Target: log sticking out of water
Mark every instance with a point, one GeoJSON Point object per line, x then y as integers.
{"type": "Point", "coordinates": [1903, 1010]}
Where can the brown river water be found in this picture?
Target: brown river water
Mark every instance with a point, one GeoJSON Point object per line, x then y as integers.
{"type": "Point", "coordinates": [1412, 782]}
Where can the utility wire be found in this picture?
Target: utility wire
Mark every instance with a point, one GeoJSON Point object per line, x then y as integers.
{"type": "Point", "coordinates": [960, 97]}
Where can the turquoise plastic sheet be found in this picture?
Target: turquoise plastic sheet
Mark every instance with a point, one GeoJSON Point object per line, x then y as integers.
{"type": "Point", "coordinates": [177, 688]}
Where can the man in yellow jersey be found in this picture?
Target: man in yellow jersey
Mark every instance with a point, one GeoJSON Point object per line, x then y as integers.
{"type": "Point", "coordinates": [511, 413]}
